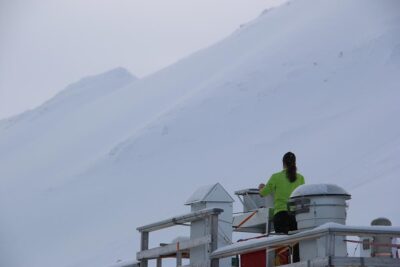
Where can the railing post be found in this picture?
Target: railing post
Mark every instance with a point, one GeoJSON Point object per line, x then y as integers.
{"type": "Point", "coordinates": [159, 262]}
{"type": "Point", "coordinates": [144, 245]}
{"type": "Point", "coordinates": [330, 245]}
{"type": "Point", "coordinates": [214, 238]}
{"type": "Point", "coordinates": [178, 259]}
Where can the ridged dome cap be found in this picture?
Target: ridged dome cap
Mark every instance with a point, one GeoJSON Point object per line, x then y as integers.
{"type": "Point", "coordinates": [319, 190]}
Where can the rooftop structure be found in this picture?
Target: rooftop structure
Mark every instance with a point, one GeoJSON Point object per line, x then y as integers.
{"type": "Point", "coordinates": [323, 234]}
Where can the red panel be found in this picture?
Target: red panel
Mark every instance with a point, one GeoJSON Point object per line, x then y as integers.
{"type": "Point", "coordinates": [253, 259]}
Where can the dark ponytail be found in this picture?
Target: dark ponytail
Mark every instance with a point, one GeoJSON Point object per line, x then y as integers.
{"type": "Point", "coordinates": [289, 161]}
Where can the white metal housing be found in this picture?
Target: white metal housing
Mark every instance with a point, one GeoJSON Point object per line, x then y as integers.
{"type": "Point", "coordinates": [315, 205]}
{"type": "Point", "coordinates": [212, 196]}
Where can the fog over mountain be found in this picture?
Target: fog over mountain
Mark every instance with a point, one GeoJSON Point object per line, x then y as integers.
{"type": "Point", "coordinates": [111, 152]}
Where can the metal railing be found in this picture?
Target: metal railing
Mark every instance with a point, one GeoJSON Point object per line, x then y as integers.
{"type": "Point", "coordinates": [330, 231]}
{"type": "Point", "coordinates": [145, 254]}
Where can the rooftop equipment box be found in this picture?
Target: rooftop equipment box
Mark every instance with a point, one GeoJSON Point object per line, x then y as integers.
{"type": "Point", "coordinates": [314, 205]}
{"type": "Point", "coordinates": [213, 196]}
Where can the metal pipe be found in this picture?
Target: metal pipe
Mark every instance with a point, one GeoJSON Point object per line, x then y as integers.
{"type": "Point", "coordinates": [327, 229]}
{"type": "Point", "coordinates": [189, 217]}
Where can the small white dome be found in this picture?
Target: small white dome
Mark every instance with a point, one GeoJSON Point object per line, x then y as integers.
{"type": "Point", "coordinates": [319, 190]}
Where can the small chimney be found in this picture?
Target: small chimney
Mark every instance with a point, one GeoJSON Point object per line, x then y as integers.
{"type": "Point", "coordinates": [314, 205]}
{"type": "Point", "coordinates": [382, 244]}
{"type": "Point", "coordinates": [212, 196]}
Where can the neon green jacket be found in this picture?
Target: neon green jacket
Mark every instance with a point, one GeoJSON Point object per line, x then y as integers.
{"type": "Point", "coordinates": [281, 188]}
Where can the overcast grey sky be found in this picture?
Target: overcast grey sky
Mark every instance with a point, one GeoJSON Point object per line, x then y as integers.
{"type": "Point", "coordinates": [47, 44]}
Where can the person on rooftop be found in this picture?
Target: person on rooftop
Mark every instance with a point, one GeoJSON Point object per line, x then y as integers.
{"type": "Point", "coordinates": [281, 185]}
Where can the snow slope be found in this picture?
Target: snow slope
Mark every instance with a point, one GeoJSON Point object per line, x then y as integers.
{"type": "Point", "coordinates": [27, 140]}
{"type": "Point", "coordinates": [318, 77]}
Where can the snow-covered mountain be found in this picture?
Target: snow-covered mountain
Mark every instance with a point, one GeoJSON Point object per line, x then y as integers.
{"type": "Point", "coordinates": [317, 77]}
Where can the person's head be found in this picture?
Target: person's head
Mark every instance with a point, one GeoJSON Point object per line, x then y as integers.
{"type": "Point", "coordinates": [289, 164]}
